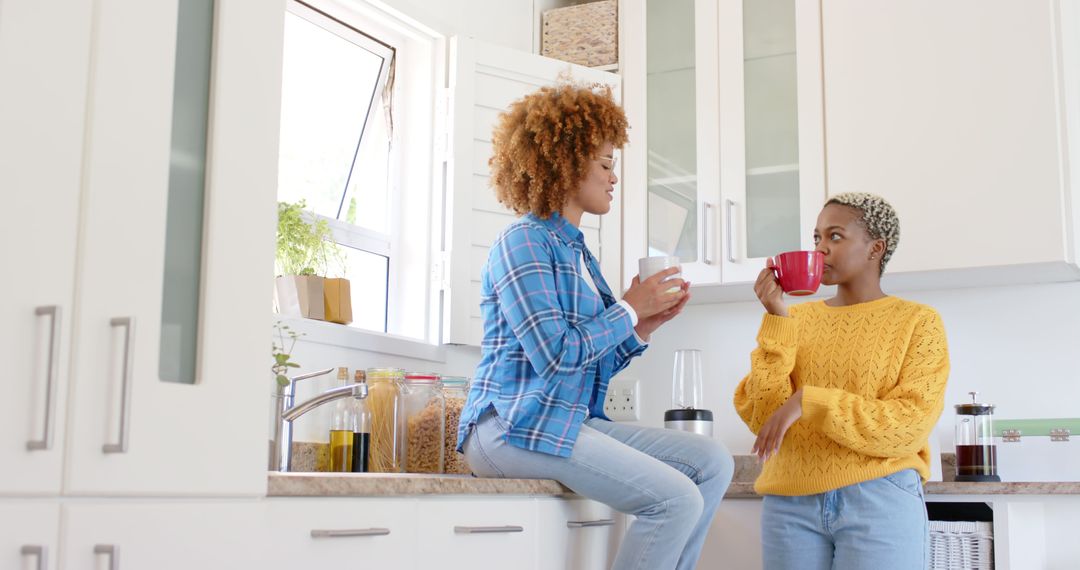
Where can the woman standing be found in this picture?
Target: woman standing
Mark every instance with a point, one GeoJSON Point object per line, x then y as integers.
{"type": "Point", "coordinates": [554, 335]}
{"type": "Point", "coordinates": [842, 395]}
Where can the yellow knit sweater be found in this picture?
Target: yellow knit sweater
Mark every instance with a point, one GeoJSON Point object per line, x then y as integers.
{"type": "Point", "coordinates": [873, 378]}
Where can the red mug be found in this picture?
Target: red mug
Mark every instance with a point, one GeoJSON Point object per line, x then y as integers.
{"type": "Point", "coordinates": [799, 272]}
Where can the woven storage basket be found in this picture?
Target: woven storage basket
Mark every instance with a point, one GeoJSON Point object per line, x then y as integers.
{"type": "Point", "coordinates": [961, 545]}
{"type": "Point", "coordinates": [586, 34]}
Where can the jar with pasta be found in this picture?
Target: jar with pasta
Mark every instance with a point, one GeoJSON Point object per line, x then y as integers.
{"type": "Point", "coordinates": [425, 418]}
{"type": "Point", "coordinates": [386, 453]}
{"type": "Point", "coordinates": [455, 391]}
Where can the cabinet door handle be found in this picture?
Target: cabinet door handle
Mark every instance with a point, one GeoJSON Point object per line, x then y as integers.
{"type": "Point", "coordinates": [487, 529]}
{"type": "Point", "coordinates": [587, 524]}
{"type": "Point", "coordinates": [345, 533]}
{"type": "Point", "coordinates": [730, 232]}
{"type": "Point", "coordinates": [112, 552]}
{"type": "Point", "coordinates": [707, 225]}
{"type": "Point", "coordinates": [37, 551]}
{"type": "Point", "coordinates": [125, 390]}
{"type": "Point", "coordinates": [54, 313]}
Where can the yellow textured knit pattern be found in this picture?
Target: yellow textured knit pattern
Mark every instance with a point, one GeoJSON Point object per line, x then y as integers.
{"type": "Point", "coordinates": [873, 378]}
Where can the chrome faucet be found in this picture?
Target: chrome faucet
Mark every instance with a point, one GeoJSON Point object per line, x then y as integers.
{"type": "Point", "coordinates": [281, 452]}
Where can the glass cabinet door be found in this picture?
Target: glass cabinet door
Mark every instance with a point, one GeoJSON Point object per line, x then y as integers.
{"type": "Point", "coordinates": [771, 133]}
{"type": "Point", "coordinates": [672, 144]}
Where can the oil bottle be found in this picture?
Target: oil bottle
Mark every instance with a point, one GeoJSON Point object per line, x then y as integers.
{"type": "Point", "coordinates": [341, 430]}
{"type": "Point", "coordinates": [361, 418]}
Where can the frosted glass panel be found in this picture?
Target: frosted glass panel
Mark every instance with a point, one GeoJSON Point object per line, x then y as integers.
{"type": "Point", "coordinates": [187, 180]}
{"type": "Point", "coordinates": [672, 144]}
{"type": "Point", "coordinates": [772, 134]}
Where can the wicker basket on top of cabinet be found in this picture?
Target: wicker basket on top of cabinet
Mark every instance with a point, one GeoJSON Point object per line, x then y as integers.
{"type": "Point", "coordinates": [586, 34]}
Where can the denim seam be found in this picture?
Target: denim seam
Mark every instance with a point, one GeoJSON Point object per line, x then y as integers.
{"type": "Point", "coordinates": [480, 448]}
{"type": "Point", "coordinates": [681, 461]}
{"type": "Point", "coordinates": [906, 491]}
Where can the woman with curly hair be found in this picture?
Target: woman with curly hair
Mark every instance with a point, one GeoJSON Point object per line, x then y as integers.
{"type": "Point", "coordinates": [554, 335]}
{"type": "Point", "coordinates": [843, 394]}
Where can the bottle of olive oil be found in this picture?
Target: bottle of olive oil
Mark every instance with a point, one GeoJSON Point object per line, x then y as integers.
{"type": "Point", "coordinates": [341, 431]}
{"type": "Point", "coordinates": [361, 435]}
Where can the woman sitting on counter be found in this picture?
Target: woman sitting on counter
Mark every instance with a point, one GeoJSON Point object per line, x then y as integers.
{"type": "Point", "coordinates": [554, 335]}
{"type": "Point", "coordinates": [843, 395]}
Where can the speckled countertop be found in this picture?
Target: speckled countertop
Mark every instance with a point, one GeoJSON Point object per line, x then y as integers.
{"type": "Point", "coordinates": [307, 483]}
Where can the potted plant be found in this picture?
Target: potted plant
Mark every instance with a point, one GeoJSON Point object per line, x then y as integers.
{"type": "Point", "coordinates": [305, 252]}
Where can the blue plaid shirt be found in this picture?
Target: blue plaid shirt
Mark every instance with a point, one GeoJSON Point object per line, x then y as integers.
{"type": "Point", "coordinates": [551, 344]}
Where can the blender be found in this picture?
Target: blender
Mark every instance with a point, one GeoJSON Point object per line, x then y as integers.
{"type": "Point", "coordinates": [686, 413]}
{"type": "Point", "coordinates": [976, 454]}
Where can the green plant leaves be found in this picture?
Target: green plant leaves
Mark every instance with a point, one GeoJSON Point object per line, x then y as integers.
{"type": "Point", "coordinates": [303, 248]}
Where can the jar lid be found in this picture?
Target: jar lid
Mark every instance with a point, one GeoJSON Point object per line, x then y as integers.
{"type": "Point", "coordinates": [455, 381]}
{"type": "Point", "coordinates": [377, 374]}
{"type": "Point", "coordinates": [974, 408]}
{"type": "Point", "coordinates": [421, 377]}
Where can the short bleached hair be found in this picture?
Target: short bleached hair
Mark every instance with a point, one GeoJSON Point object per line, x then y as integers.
{"type": "Point", "coordinates": [878, 219]}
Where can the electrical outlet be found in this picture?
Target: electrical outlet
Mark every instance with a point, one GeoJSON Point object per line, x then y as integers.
{"type": "Point", "coordinates": [622, 402]}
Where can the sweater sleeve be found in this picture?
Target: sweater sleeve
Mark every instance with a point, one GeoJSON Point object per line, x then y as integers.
{"type": "Point", "coordinates": [768, 385]}
{"type": "Point", "coordinates": [897, 424]}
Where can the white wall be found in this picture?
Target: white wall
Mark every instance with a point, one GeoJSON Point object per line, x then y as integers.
{"type": "Point", "coordinates": [1016, 346]}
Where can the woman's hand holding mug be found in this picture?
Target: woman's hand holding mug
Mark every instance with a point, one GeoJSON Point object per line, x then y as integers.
{"type": "Point", "coordinates": [768, 291]}
{"type": "Point", "coordinates": [653, 295]}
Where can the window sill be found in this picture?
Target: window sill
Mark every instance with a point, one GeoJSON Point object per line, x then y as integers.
{"type": "Point", "coordinates": [344, 336]}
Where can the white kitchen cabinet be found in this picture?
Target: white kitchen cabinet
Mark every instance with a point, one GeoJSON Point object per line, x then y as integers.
{"type": "Point", "coordinates": [165, 535]}
{"type": "Point", "coordinates": [966, 130]}
{"type": "Point", "coordinates": [726, 161]}
{"type": "Point", "coordinates": [86, 150]}
{"type": "Point", "coordinates": [41, 134]}
{"type": "Point", "coordinates": [29, 534]}
{"type": "Point", "coordinates": [460, 533]}
{"type": "Point", "coordinates": [341, 532]}
{"type": "Point", "coordinates": [484, 80]}
{"type": "Point", "coordinates": [588, 533]}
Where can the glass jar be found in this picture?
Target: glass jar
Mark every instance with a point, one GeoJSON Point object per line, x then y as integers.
{"type": "Point", "coordinates": [385, 394]}
{"type": "Point", "coordinates": [425, 418]}
{"type": "Point", "coordinates": [976, 454]}
{"type": "Point", "coordinates": [455, 391]}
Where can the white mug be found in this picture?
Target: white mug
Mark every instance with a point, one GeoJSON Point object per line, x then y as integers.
{"type": "Point", "coordinates": [649, 266]}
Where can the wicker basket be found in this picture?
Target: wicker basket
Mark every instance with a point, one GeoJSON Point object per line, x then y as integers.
{"type": "Point", "coordinates": [961, 545]}
{"type": "Point", "coordinates": [586, 34]}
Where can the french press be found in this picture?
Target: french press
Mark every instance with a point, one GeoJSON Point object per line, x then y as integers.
{"type": "Point", "coordinates": [976, 454]}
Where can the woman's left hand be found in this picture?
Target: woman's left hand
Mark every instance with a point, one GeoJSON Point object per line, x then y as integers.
{"type": "Point", "coordinates": [645, 327]}
{"type": "Point", "coordinates": [771, 434]}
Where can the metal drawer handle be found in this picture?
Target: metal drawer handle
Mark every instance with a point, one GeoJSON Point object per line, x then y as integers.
{"type": "Point", "coordinates": [54, 313]}
{"type": "Point", "coordinates": [125, 391]}
{"type": "Point", "coordinates": [707, 224]}
{"type": "Point", "coordinates": [487, 529]}
{"type": "Point", "coordinates": [38, 551]}
{"type": "Point", "coordinates": [112, 551]}
{"type": "Point", "coordinates": [317, 533]}
{"type": "Point", "coordinates": [586, 524]}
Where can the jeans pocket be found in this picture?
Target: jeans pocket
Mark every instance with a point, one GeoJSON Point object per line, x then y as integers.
{"type": "Point", "coordinates": [907, 481]}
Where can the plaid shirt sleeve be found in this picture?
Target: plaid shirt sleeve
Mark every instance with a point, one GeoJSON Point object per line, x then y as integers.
{"type": "Point", "coordinates": [522, 271]}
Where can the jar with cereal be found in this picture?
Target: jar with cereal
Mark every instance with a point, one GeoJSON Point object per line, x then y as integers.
{"type": "Point", "coordinates": [425, 413]}
{"type": "Point", "coordinates": [386, 406]}
{"type": "Point", "coordinates": [455, 390]}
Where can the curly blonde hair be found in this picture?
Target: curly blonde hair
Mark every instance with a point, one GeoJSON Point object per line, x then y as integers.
{"type": "Point", "coordinates": [544, 142]}
{"type": "Point", "coordinates": [878, 219]}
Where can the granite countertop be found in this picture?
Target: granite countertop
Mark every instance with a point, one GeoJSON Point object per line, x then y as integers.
{"type": "Point", "coordinates": [309, 459]}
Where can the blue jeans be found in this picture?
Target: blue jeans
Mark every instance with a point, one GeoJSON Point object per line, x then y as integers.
{"type": "Point", "coordinates": [879, 524]}
{"type": "Point", "coordinates": [672, 481]}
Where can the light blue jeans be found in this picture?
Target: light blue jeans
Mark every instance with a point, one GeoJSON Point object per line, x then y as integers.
{"type": "Point", "coordinates": [879, 524]}
{"type": "Point", "coordinates": [672, 481]}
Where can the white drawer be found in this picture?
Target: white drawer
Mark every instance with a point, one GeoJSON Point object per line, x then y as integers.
{"type": "Point", "coordinates": [469, 533]}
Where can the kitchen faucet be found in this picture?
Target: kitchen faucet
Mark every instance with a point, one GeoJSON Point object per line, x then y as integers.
{"type": "Point", "coordinates": [285, 412]}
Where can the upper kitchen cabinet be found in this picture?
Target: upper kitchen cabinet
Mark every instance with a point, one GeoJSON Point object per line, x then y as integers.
{"type": "Point", "coordinates": [138, 167]}
{"type": "Point", "coordinates": [41, 133]}
{"type": "Point", "coordinates": [484, 80]}
{"type": "Point", "coordinates": [168, 377]}
{"type": "Point", "coordinates": [725, 165]}
{"type": "Point", "coordinates": [964, 115]}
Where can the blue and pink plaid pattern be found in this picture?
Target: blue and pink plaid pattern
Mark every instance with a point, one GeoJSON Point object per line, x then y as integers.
{"type": "Point", "coordinates": [550, 343]}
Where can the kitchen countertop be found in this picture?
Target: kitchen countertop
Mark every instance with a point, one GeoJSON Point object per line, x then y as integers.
{"type": "Point", "coordinates": [312, 484]}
